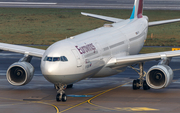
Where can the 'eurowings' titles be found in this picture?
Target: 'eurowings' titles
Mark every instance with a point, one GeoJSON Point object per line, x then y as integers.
{"type": "Point", "coordinates": [85, 49]}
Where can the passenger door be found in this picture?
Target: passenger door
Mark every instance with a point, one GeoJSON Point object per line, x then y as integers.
{"type": "Point", "coordinates": [78, 59]}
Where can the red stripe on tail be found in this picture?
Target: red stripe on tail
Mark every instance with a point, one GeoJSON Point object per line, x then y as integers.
{"type": "Point", "coordinates": [140, 9]}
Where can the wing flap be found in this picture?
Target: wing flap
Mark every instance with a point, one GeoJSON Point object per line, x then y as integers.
{"type": "Point", "coordinates": [111, 19]}
{"type": "Point", "coordinates": [163, 22]}
{"type": "Point", "coordinates": [133, 59]}
{"type": "Point", "coordinates": [22, 49]}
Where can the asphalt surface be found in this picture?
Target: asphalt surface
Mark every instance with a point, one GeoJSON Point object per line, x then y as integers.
{"type": "Point", "coordinates": [94, 95]}
{"type": "Point", "coordinates": [110, 94]}
{"type": "Point", "coordinates": [92, 4]}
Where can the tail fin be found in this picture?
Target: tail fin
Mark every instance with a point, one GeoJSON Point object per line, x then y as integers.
{"type": "Point", "coordinates": [137, 9]}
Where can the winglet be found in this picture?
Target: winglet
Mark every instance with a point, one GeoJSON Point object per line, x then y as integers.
{"type": "Point", "coordinates": [137, 9]}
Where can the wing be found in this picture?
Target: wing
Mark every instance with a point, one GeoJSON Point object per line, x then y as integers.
{"type": "Point", "coordinates": [162, 22]}
{"type": "Point", "coordinates": [22, 49]}
{"type": "Point", "coordinates": [133, 59]}
{"type": "Point", "coordinates": [111, 19]}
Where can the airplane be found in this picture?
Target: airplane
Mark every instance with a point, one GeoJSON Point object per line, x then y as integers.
{"type": "Point", "coordinates": [101, 52]}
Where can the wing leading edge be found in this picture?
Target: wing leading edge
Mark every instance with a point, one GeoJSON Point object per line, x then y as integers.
{"type": "Point", "coordinates": [133, 59]}
{"type": "Point", "coordinates": [163, 22]}
{"type": "Point", "coordinates": [22, 49]}
{"type": "Point", "coordinates": [111, 19]}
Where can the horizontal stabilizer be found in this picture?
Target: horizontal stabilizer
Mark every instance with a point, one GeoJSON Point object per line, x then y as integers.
{"type": "Point", "coordinates": [163, 22]}
{"type": "Point", "coordinates": [111, 19]}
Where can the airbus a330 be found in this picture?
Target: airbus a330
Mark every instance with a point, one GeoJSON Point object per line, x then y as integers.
{"type": "Point", "coordinates": [101, 52]}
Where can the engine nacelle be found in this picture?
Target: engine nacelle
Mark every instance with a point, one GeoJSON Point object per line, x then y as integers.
{"type": "Point", "coordinates": [159, 76]}
{"type": "Point", "coordinates": [20, 73]}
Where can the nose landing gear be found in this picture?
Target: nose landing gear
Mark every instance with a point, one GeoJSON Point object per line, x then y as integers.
{"type": "Point", "coordinates": [61, 96]}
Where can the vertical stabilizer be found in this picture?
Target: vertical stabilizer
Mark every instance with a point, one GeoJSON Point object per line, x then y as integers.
{"type": "Point", "coordinates": [137, 9]}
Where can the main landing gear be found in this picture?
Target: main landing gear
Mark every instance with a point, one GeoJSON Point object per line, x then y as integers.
{"type": "Point", "coordinates": [61, 96]}
{"type": "Point", "coordinates": [140, 82]}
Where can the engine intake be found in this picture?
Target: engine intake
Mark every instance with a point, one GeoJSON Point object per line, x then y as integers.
{"type": "Point", "coordinates": [159, 76]}
{"type": "Point", "coordinates": [20, 73]}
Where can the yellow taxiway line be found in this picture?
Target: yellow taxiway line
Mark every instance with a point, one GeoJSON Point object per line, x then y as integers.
{"type": "Point", "coordinates": [113, 109]}
{"type": "Point", "coordinates": [89, 100]}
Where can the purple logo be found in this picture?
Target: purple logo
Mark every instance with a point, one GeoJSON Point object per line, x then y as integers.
{"type": "Point", "coordinates": [85, 49]}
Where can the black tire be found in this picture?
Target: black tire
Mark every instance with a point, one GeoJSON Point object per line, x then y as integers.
{"type": "Point", "coordinates": [145, 85]}
{"type": "Point", "coordinates": [58, 97]}
{"type": "Point", "coordinates": [134, 85]}
{"type": "Point", "coordinates": [64, 97]}
{"type": "Point", "coordinates": [70, 86]}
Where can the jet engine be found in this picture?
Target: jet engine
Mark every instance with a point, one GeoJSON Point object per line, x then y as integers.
{"type": "Point", "coordinates": [20, 73]}
{"type": "Point", "coordinates": [159, 76]}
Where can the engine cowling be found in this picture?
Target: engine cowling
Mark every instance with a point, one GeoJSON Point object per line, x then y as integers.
{"type": "Point", "coordinates": [20, 73]}
{"type": "Point", "coordinates": [159, 76]}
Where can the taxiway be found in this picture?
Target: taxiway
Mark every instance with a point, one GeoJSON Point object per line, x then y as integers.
{"type": "Point", "coordinates": [92, 4]}
{"type": "Point", "coordinates": [110, 94]}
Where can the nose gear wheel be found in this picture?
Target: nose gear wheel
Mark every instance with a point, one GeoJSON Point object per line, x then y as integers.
{"type": "Point", "coordinates": [61, 96]}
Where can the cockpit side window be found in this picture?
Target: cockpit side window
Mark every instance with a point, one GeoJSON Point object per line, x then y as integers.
{"type": "Point", "coordinates": [65, 59]}
{"type": "Point", "coordinates": [61, 58]}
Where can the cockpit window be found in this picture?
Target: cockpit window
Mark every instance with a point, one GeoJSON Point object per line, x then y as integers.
{"type": "Point", "coordinates": [49, 58]}
{"type": "Point", "coordinates": [54, 59]}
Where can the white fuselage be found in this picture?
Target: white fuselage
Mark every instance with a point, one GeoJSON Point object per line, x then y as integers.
{"type": "Point", "coordinates": [86, 55]}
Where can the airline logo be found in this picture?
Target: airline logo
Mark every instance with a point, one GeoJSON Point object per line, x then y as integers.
{"type": "Point", "coordinates": [86, 48]}
{"type": "Point", "coordinates": [137, 9]}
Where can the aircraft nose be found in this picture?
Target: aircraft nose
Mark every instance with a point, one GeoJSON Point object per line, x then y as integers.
{"type": "Point", "coordinates": [49, 69]}
{"type": "Point", "coordinates": [54, 73]}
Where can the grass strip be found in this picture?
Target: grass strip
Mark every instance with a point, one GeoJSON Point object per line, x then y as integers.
{"type": "Point", "coordinates": [46, 26]}
{"type": "Point", "coordinates": [154, 49]}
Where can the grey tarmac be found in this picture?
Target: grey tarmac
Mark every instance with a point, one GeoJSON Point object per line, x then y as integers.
{"type": "Point", "coordinates": [110, 94]}
{"type": "Point", "coordinates": [92, 4]}
{"type": "Point", "coordinates": [94, 95]}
